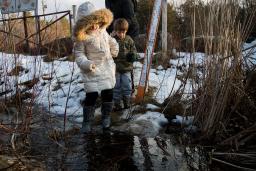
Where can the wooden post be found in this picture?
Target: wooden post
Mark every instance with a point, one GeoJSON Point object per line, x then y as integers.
{"type": "Point", "coordinates": [25, 30]}
{"type": "Point", "coordinates": [37, 24]}
{"type": "Point", "coordinates": [164, 30]}
{"type": "Point", "coordinates": [39, 33]}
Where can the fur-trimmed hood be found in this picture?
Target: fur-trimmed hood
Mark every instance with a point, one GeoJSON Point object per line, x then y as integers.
{"type": "Point", "coordinates": [88, 17]}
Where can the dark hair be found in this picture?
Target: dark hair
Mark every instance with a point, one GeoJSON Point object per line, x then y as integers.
{"type": "Point", "coordinates": [121, 24]}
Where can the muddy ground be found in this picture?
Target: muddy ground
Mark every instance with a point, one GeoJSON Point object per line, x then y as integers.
{"type": "Point", "coordinates": [44, 145]}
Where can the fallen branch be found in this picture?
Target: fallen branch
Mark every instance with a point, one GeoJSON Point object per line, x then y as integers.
{"type": "Point", "coordinates": [9, 167]}
{"type": "Point", "coordinates": [233, 165]}
{"type": "Point", "coordinates": [243, 141]}
{"type": "Point", "coordinates": [9, 130]}
{"type": "Point", "coordinates": [249, 155]}
{"type": "Point", "coordinates": [162, 145]}
{"type": "Point", "coordinates": [251, 129]}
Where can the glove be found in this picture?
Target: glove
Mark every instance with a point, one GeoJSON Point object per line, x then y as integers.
{"type": "Point", "coordinates": [131, 57]}
{"type": "Point", "coordinates": [113, 34]}
{"type": "Point", "coordinates": [92, 67]}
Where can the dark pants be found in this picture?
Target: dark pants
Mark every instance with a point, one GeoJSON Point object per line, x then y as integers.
{"type": "Point", "coordinates": [106, 96]}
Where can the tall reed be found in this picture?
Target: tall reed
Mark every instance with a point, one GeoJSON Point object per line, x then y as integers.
{"type": "Point", "coordinates": [221, 85]}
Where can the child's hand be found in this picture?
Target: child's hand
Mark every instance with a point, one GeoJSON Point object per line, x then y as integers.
{"type": "Point", "coordinates": [113, 34]}
{"type": "Point", "coordinates": [93, 67]}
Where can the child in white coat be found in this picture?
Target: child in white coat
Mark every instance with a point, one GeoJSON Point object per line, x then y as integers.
{"type": "Point", "coordinates": [93, 50]}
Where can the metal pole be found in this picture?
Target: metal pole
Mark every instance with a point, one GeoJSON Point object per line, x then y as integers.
{"type": "Point", "coordinates": [74, 13]}
{"type": "Point", "coordinates": [70, 24]}
{"type": "Point", "coordinates": [33, 16]}
{"type": "Point", "coordinates": [154, 23]}
{"type": "Point", "coordinates": [164, 29]}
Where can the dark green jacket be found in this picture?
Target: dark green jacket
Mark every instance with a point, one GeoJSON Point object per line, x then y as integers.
{"type": "Point", "coordinates": [126, 56]}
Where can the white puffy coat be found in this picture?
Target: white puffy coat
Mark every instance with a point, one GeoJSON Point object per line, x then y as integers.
{"type": "Point", "coordinates": [97, 48]}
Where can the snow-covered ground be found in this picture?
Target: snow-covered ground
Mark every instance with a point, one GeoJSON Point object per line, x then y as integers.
{"type": "Point", "coordinates": [250, 54]}
{"type": "Point", "coordinates": [60, 87]}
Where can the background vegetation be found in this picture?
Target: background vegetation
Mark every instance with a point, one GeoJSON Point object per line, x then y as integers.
{"type": "Point", "coordinates": [179, 24]}
{"type": "Point", "coordinates": [180, 20]}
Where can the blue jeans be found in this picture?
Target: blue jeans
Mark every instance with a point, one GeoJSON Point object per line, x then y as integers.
{"type": "Point", "coordinates": [123, 87]}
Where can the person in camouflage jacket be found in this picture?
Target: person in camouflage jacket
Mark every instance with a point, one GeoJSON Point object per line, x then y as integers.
{"type": "Point", "coordinates": [124, 64]}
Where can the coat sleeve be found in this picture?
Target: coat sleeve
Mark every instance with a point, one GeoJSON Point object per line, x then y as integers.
{"type": "Point", "coordinates": [132, 46]}
{"type": "Point", "coordinates": [114, 47]}
{"type": "Point", "coordinates": [132, 56]}
{"type": "Point", "coordinates": [128, 10]}
{"type": "Point", "coordinates": [80, 57]}
{"type": "Point", "coordinates": [108, 4]}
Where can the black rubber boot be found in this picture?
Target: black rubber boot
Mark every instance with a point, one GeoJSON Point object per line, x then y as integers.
{"type": "Point", "coordinates": [88, 114]}
{"type": "Point", "coordinates": [117, 106]}
{"type": "Point", "coordinates": [106, 109]}
{"type": "Point", "coordinates": [127, 102]}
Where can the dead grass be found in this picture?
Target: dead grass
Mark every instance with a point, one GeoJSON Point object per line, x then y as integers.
{"type": "Point", "coordinates": [221, 87]}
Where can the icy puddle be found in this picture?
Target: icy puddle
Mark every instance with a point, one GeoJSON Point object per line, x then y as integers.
{"type": "Point", "coordinates": [114, 152]}
{"type": "Point", "coordinates": [135, 145]}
